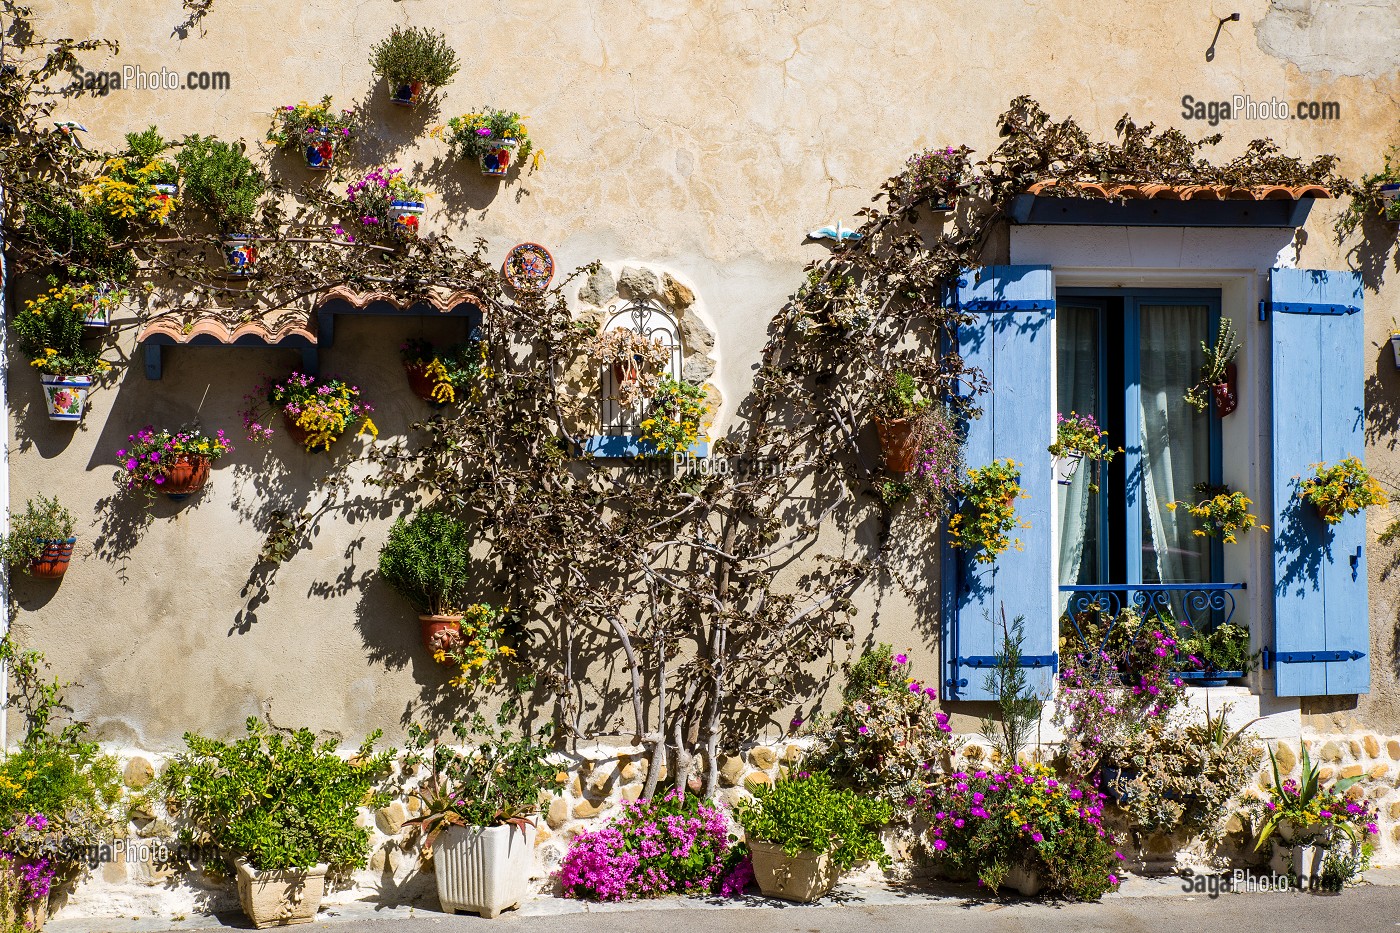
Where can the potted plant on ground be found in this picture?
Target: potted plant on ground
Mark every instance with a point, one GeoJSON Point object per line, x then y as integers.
{"type": "Point", "coordinates": [315, 130]}
{"type": "Point", "coordinates": [1308, 821]}
{"type": "Point", "coordinates": [1217, 372]}
{"type": "Point", "coordinates": [50, 332]}
{"type": "Point", "coordinates": [175, 463]}
{"type": "Point", "coordinates": [437, 376]}
{"type": "Point", "coordinates": [497, 139]}
{"type": "Point", "coordinates": [479, 810]}
{"type": "Point", "coordinates": [1079, 438]}
{"type": "Point", "coordinates": [636, 362]}
{"type": "Point", "coordinates": [224, 182]}
{"type": "Point", "coordinates": [678, 408]}
{"type": "Point", "coordinates": [427, 560]}
{"type": "Point", "coordinates": [1224, 514]}
{"type": "Point", "coordinates": [284, 806]}
{"type": "Point", "coordinates": [1344, 488]}
{"type": "Point", "coordinates": [316, 410]}
{"type": "Point", "coordinates": [899, 410]}
{"type": "Point", "coordinates": [387, 203]}
{"type": "Point", "coordinates": [411, 61]}
{"type": "Point", "coordinates": [983, 526]}
{"type": "Point", "coordinates": [40, 541]}
{"type": "Point", "coordinates": [804, 831]}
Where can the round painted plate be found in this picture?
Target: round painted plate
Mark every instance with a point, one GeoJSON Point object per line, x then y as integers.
{"type": "Point", "coordinates": [528, 267]}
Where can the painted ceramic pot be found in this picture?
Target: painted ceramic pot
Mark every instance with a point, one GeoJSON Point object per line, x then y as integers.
{"type": "Point", "coordinates": [405, 94]}
{"type": "Point", "coordinates": [496, 161]}
{"type": "Point", "coordinates": [164, 192]}
{"type": "Point", "coordinates": [66, 396]}
{"type": "Point", "coordinates": [185, 476]}
{"type": "Point", "coordinates": [405, 216]}
{"type": "Point", "coordinates": [242, 252]}
{"type": "Point", "coordinates": [100, 314]}
{"type": "Point", "coordinates": [528, 267]}
{"type": "Point", "coordinates": [1389, 192]}
{"type": "Point", "coordinates": [1066, 466]}
{"type": "Point", "coordinates": [52, 562]}
{"type": "Point", "coordinates": [320, 151]}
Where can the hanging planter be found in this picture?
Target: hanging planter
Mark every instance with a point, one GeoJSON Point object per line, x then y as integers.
{"type": "Point", "coordinates": [317, 130]}
{"type": "Point", "coordinates": [52, 562]}
{"type": "Point", "coordinates": [387, 203]}
{"type": "Point", "coordinates": [1395, 347]}
{"type": "Point", "coordinates": [65, 396]}
{"type": "Point", "coordinates": [441, 633]}
{"type": "Point", "coordinates": [185, 475]}
{"type": "Point", "coordinates": [1226, 396]}
{"type": "Point", "coordinates": [40, 540]}
{"type": "Point", "coordinates": [1066, 466]}
{"type": "Point", "coordinates": [1343, 489]}
{"type": "Point", "coordinates": [405, 216]}
{"type": "Point", "coordinates": [320, 151]}
{"type": "Point", "coordinates": [1389, 193]}
{"type": "Point", "coordinates": [420, 381]}
{"type": "Point", "coordinates": [316, 411]}
{"type": "Point", "coordinates": [899, 443]}
{"type": "Point", "coordinates": [411, 61]}
{"type": "Point", "coordinates": [104, 298]}
{"type": "Point", "coordinates": [174, 463]}
{"type": "Point", "coordinates": [242, 252]}
{"type": "Point", "coordinates": [495, 138]}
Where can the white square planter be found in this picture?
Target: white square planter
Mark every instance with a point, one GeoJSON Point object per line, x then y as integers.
{"type": "Point", "coordinates": [805, 877]}
{"type": "Point", "coordinates": [483, 868]}
{"type": "Point", "coordinates": [280, 898]}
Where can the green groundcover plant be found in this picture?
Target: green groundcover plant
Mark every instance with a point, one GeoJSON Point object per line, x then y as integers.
{"type": "Point", "coordinates": [808, 812]}
{"type": "Point", "coordinates": [279, 801]}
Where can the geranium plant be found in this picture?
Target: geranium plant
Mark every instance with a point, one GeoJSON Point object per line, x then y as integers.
{"type": "Point", "coordinates": [984, 524]}
{"type": "Point", "coordinates": [295, 126]}
{"type": "Point", "coordinates": [675, 844]}
{"type": "Point", "coordinates": [988, 823]}
{"type": "Point", "coordinates": [1080, 436]}
{"type": "Point", "coordinates": [636, 360]}
{"type": "Point", "coordinates": [1224, 514]}
{"type": "Point", "coordinates": [1344, 488]}
{"type": "Point", "coordinates": [678, 408]}
{"type": "Point", "coordinates": [374, 198]}
{"type": "Point", "coordinates": [318, 410]}
{"type": "Point", "coordinates": [481, 134]}
{"type": "Point", "coordinates": [50, 329]}
{"type": "Point", "coordinates": [148, 455]}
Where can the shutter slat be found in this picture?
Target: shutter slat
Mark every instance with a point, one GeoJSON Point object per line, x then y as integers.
{"type": "Point", "coordinates": [1320, 588]}
{"type": "Point", "coordinates": [1011, 343]}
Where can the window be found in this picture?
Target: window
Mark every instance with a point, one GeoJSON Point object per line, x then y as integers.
{"type": "Point", "coordinates": [651, 321]}
{"type": "Point", "coordinates": [1127, 358]}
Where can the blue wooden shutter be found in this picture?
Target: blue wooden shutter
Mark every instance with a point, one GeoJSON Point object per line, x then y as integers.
{"type": "Point", "coordinates": [1009, 340]}
{"type": "Point", "coordinates": [1321, 618]}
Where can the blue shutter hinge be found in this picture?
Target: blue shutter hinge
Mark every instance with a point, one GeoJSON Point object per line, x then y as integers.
{"type": "Point", "coordinates": [1051, 661]}
{"type": "Point", "coordinates": [1355, 561]}
{"type": "Point", "coordinates": [1271, 657]}
{"type": "Point", "coordinates": [1263, 311]}
{"type": "Point", "coordinates": [1302, 307]}
{"type": "Point", "coordinates": [1009, 304]}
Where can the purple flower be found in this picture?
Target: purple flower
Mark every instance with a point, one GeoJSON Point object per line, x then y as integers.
{"type": "Point", "coordinates": [863, 730]}
{"type": "Point", "coordinates": [940, 844]}
{"type": "Point", "coordinates": [483, 131]}
{"type": "Point", "coordinates": [901, 659]}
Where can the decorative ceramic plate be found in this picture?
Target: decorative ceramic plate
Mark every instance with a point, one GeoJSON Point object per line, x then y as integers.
{"type": "Point", "coordinates": [528, 268]}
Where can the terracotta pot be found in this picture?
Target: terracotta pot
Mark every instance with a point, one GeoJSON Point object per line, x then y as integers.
{"type": "Point", "coordinates": [420, 382]}
{"type": "Point", "coordinates": [52, 564]}
{"type": "Point", "coordinates": [1226, 400]}
{"type": "Point", "coordinates": [295, 431]}
{"type": "Point", "coordinates": [280, 898]}
{"type": "Point", "coordinates": [900, 443]}
{"type": "Point", "coordinates": [187, 474]}
{"type": "Point", "coordinates": [804, 877]}
{"type": "Point", "coordinates": [433, 626]}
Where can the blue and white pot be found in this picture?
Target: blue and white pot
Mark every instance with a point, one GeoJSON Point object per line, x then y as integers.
{"type": "Point", "coordinates": [100, 314]}
{"type": "Point", "coordinates": [65, 396]}
{"type": "Point", "coordinates": [406, 94]}
{"type": "Point", "coordinates": [320, 150]}
{"type": "Point", "coordinates": [405, 216]}
{"type": "Point", "coordinates": [1390, 191]}
{"type": "Point", "coordinates": [165, 192]}
{"type": "Point", "coordinates": [242, 252]}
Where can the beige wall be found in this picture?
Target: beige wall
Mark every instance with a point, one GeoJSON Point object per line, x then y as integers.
{"type": "Point", "coordinates": [704, 137]}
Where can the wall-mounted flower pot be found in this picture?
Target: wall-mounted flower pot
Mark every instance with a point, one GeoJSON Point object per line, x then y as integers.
{"type": "Point", "coordinates": [807, 876]}
{"type": "Point", "coordinates": [1395, 348]}
{"type": "Point", "coordinates": [52, 562]}
{"type": "Point", "coordinates": [485, 869]}
{"type": "Point", "coordinates": [65, 396]}
{"type": "Point", "coordinates": [280, 898]}
{"type": "Point", "coordinates": [185, 476]}
{"type": "Point", "coordinates": [296, 432]}
{"type": "Point", "coordinates": [439, 631]}
{"type": "Point", "coordinates": [164, 192]}
{"type": "Point", "coordinates": [899, 443]}
{"type": "Point", "coordinates": [405, 216]}
{"type": "Point", "coordinates": [1065, 467]}
{"type": "Point", "coordinates": [1226, 393]}
{"type": "Point", "coordinates": [496, 161]}
{"type": "Point", "coordinates": [100, 314]}
{"type": "Point", "coordinates": [1389, 193]}
{"type": "Point", "coordinates": [420, 382]}
{"type": "Point", "coordinates": [320, 151]}
{"type": "Point", "coordinates": [241, 249]}
{"type": "Point", "coordinates": [406, 94]}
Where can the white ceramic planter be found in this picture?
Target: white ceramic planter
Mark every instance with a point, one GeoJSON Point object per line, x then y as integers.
{"type": "Point", "coordinates": [485, 869]}
{"type": "Point", "coordinates": [280, 898]}
{"type": "Point", "coordinates": [1066, 466]}
{"type": "Point", "coordinates": [804, 877]}
{"type": "Point", "coordinates": [1027, 883]}
{"type": "Point", "coordinates": [65, 396]}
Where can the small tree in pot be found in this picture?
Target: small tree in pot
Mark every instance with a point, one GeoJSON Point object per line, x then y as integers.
{"type": "Point", "coordinates": [478, 826]}
{"type": "Point", "coordinates": [413, 60]}
{"type": "Point", "coordinates": [40, 541]}
{"type": "Point", "coordinates": [224, 182]}
{"type": "Point", "coordinates": [284, 806]}
{"type": "Point", "coordinates": [803, 832]}
{"type": "Point", "coordinates": [428, 562]}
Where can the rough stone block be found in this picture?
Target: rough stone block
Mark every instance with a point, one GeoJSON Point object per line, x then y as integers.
{"type": "Point", "coordinates": [1285, 756]}
{"type": "Point", "coordinates": [675, 294]}
{"type": "Point", "coordinates": [1351, 771]}
{"type": "Point", "coordinates": [1325, 774]}
{"type": "Point", "coordinates": [792, 755]}
{"type": "Point", "coordinates": [756, 780]}
{"type": "Point", "coordinates": [730, 767]}
{"type": "Point", "coordinates": [138, 773]}
{"type": "Point", "coordinates": [638, 283]}
{"type": "Point", "coordinates": [632, 792]}
{"type": "Point", "coordinates": [1392, 748]}
{"type": "Point", "coordinates": [1330, 752]}
{"type": "Point", "coordinates": [558, 813]}
{"type": "Point", "coordinates": [1378, 771]}
{"type": "Point", "coordinates": [600, 288]}
{"type": "Point", "coordinates": [1372, 746]}
{"type": "Point", "coordinates": [1395, 810]}
{"type": "Point", "coordinates": [763, 757]}
{"type": "Point", "coordinates": [390, 819]}
{"type": "Point", "coordinates": [586, 810]}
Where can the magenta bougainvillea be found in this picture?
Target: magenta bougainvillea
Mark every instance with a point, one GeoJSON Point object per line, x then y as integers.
{"type": "Point", "coordinates": [674, 844]}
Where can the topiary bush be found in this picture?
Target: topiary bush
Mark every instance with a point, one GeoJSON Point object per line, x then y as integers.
{"type": "Point", "coordinates": [428, 561]}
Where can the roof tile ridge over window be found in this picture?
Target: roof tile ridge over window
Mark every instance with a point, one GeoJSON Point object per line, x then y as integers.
{"type": "Point", "coordinates": [1187, 192]}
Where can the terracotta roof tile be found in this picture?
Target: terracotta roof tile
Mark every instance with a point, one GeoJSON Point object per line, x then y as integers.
{"type": "Point", "coordinates": [209, 330]}
{"type": "Point", "coordinates": [1192, 192]}
{"type": "Point", "coordinates": [443, 303]}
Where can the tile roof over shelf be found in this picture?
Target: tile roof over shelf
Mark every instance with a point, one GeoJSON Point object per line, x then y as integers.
{"type": "Point", "coordinates": [209, 332]}
{"type": "Point", "coordinates": [1158, 205]}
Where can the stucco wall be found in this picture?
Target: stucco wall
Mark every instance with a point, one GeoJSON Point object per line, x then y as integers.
{"type": "Point", "coordinates": [706, 138]}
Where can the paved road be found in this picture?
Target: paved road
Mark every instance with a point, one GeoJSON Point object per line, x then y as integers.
{"type": "Point", "coordinates": [1359, 910]}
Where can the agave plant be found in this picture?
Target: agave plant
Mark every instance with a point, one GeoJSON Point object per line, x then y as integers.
{"type": "Point", "coordinates": [1307, 803]}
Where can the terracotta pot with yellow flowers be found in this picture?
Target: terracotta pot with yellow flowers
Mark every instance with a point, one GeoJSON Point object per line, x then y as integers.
{"type": "Point", "coordinates": [497, 139]}
{"type": "Point", "coordinates": [984, 524]}
{"type": "Point", "coordinates": [1344, 488]}
{"type": "Point", "coordinates": [427, 561]}
{"type": "Point", "coordinates": [316, 411]}
{"type": "Point", "coordinates": [50, 331]}
{"type": "Point", "coordinates": [440, 377]}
